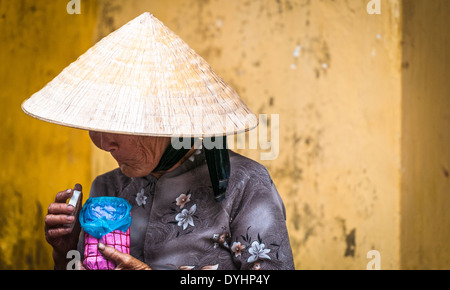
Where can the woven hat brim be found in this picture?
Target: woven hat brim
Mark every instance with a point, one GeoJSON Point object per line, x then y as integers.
{"type": "Point", "coordinates": [142, 79]}
{"type": "Point", "coordinates": [132, 130]}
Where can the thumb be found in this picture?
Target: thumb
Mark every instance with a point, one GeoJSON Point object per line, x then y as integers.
{"type": "Point", "coordinates": [78, 187]}
{"type": "Point", "coordinates": [112, 254]}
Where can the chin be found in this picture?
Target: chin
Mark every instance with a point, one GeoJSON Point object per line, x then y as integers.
{"type": "Point", "coordinates": [130, 172]}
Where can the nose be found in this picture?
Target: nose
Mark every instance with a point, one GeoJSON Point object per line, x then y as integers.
{"type": "Point", "coordinates": [104, 141]}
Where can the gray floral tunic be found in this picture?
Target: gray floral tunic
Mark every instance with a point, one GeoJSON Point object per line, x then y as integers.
{"type": "Point", "coordinates": [177, 224]}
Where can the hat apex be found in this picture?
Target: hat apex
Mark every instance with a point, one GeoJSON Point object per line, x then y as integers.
{"type": "Point", "coordinates": [142, 79]}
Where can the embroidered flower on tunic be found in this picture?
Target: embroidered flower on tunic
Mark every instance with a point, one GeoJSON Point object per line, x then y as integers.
{"type": "Point", "coordinates": [185, 218]}
{"type": "Point", "coordinates": [258, 251]}
{"type": "Point", "coordinates": [221, 239]}
{"type": "Point", "coordinates": [256, 266]}
{"type": "Point", "coordinates": [237, 248]}
{"type": "Point", "coordinates": [183, 199]}
{"type": "Point", "coordinates": [210, 267]}
{"type": "Point", "coordinates": [140, 198]}
{"type": "Point", "coordinates": [207, 267]}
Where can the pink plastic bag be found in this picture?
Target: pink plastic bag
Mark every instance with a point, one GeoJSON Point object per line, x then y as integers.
{"type": "Point", "coordinates": [93, 259]}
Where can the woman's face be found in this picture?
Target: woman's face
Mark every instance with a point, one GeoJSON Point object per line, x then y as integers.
{"type": "Point", "coordinates": [137, 156]}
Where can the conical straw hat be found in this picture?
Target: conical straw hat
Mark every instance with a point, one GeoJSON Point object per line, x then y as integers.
{"type": "Point", "coordinates": [142, 79]}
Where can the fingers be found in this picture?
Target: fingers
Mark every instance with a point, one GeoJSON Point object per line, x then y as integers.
{"type": "Point", "coordinates": [79, 266]}
{"type": "Point", "coordinates": [58, 232]}
{"type": "Point", "coordinates": [60, 208]}
{"type": "Point", "coordinates": [78, 187]}
{"type": "Point", "coordinates": [60, 214]}
{"type": "Point", "coordinates": [52, 220]}
{"type": "Point", "coordinates": [62, 196]}
{"type": "Point", "coordinates": [121, 260]}
{"type": "Point", "coordinates": [113, 255]}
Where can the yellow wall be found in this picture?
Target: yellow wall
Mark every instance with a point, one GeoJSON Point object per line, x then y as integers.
{"type": "Point", "coordinates": [356, 96]}
{"type": "Point", "coordinates": [37, 40]}
{"type": "Point", "coordinates": [426, 135]}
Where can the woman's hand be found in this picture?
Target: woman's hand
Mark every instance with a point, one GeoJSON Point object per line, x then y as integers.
{"type": "Point", "coordinates": [121, 260]}
{"type": "Point", "coordinates": [57, 231]}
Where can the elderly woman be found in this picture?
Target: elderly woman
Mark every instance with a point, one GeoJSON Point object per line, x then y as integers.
{"type": "Point", "coordinates": [193, 207]}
